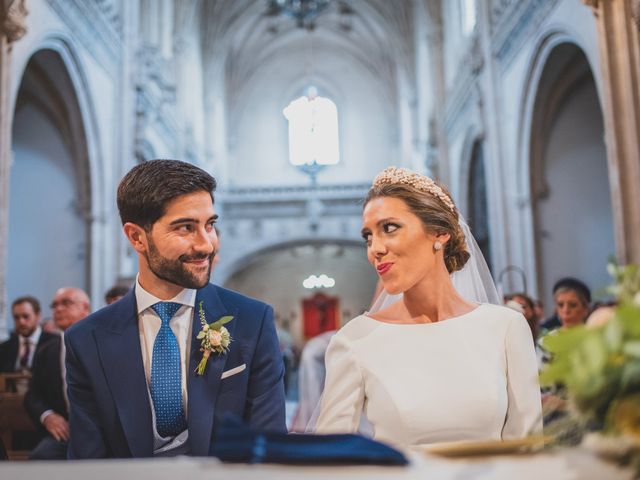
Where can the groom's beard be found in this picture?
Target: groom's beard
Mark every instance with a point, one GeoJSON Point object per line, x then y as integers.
{"type": "Point", "coordinates": [175, 271]}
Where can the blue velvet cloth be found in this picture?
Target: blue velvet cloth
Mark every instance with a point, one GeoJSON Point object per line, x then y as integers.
{"type": "Point", "coordinates": [235, 442]}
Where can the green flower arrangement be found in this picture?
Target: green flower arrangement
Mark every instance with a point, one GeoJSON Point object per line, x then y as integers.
{"type": "Point", "coordinates": [599, 366]}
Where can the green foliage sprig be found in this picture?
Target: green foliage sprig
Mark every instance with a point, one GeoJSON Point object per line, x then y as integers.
{"type": "Point", "coordinates": [599, 366]}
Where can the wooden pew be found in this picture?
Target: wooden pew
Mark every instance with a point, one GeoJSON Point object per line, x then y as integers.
{"type": "Point", "coordinates": [13, 417]}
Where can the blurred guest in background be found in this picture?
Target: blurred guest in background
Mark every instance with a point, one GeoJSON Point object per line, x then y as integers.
{"type": "Point", "coordinates": [46, 401]}
{"type": "Point", "coordinates": [527, 309]}
{"type": "Point", "coordinates": [16, 354]}
{"type": "Point", "coordinates": [538, 308]}
{"type": "Point", "coordinates": [115, 293]}
{"type": "Point", "coordinates": [311, 379]}
{"type": "Point", "coordinates": [571, 298]}
{"type": "Point", "coordinates": [49, 326]}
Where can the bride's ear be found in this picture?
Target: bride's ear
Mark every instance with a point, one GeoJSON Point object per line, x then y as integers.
{"type": "Point", "coordinates": [443, 238]}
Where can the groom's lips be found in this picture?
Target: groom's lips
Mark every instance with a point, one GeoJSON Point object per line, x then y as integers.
{"type": "Point", "coordinates": [200, 262]}
{"type": "Point", "coordinates": [383, 268]}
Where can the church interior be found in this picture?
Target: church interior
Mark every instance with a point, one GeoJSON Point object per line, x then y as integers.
{"type": "Point", "coordinates": [527, 110]}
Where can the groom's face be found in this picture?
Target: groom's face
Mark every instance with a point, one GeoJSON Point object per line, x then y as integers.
{"type": "Point", "coordinates": [181, 245]}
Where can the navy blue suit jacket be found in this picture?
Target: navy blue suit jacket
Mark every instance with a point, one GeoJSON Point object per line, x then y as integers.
{"type": "Point", "coordinates": [110, 411]}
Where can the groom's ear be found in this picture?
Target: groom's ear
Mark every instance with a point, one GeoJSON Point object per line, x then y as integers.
{"type": "Point", "coordinates": [136, 235]}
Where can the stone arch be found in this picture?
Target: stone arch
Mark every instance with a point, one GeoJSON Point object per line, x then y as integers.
{"type": "Point", "coordinates": [559, 72]}
{"type": "Point", "coordinates": [274, 273]}
{"type": "Point", "coordinates": [471, 138]}
{"type": "Point", "coordinates": [473, 151]}
{"type": "Point", "coordinates": [52, 87]}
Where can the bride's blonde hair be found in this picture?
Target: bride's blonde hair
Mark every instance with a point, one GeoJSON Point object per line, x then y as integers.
{"type": "Point", "coordinates": [431, 203]}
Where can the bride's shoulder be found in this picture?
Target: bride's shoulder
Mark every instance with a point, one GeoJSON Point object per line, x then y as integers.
{"type": "Point", "coordinates": [497, 310]}
{"type": "Point", "coordinates": [501, 313]}
{"type": "Point", "coordinates": [356, 327]}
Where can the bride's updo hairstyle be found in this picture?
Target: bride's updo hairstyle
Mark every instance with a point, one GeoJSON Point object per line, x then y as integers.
{"type": "Point", "coordinates": [431, 203]}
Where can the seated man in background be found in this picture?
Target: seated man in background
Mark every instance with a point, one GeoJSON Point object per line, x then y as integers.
{"type": "Point", "coordinates": [16, 354]}
{"type": "Point", "coordinates": [46, 400]}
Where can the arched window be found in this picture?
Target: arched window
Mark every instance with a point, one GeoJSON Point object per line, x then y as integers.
{"type": "Point", "coordinates": [478, 202]}
{"type": "Point", "coordinates": [313, 130]}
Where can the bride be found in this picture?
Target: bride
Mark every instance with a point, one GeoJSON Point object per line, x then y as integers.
{"type": "Point", "coordinates": [429, 364]}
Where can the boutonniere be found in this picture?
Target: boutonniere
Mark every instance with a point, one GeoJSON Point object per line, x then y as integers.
{"type": "Point", "coordinates": [214, 337]}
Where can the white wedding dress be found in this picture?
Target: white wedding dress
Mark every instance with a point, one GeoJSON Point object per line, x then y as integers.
{"type": "Point", "coordinates": [472, 377]}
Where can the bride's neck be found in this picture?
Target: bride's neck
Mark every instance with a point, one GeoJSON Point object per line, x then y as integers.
{"type": "Point", "coordinates": [435, 298]}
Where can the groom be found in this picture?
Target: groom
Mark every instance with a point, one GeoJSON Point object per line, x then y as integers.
{"type": "Point", "coordinates": [131, 367]}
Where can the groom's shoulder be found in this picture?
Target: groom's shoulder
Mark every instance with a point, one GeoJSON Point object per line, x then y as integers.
{"type": "Point", "coordinates": [232, 299]}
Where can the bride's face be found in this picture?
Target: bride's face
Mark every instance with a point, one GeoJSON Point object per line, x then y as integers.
{"type": "Point", "coordinates": [398, 246]}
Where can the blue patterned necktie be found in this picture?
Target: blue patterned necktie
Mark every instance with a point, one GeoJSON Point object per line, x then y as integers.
{"type": "Point", "coordinates": [166, 385]}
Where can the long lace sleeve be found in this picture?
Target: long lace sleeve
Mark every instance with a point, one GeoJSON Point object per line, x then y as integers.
{"type": "Point", "coordinates": [343, 398]}
{"type": "Point", "coordinates": [524, 410]}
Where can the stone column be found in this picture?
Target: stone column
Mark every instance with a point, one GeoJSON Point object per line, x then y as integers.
{"type": "Point", "coordinates": [618, 24]}
{"type": "Point", "coordinates": [437, 160]}
{"type": "Point", "coordinates": [12, 28]}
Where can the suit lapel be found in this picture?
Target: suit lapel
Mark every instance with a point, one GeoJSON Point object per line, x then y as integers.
{"type": "Point", "coordinates": [121, 358]}
{"type": "Point", "coordinates": [203, 390]}
{"type": "Point", "coordinates": [11, 360]}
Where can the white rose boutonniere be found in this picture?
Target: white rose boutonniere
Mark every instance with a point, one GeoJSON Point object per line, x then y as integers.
{"type": "Point", "coordinates": [214, 337]}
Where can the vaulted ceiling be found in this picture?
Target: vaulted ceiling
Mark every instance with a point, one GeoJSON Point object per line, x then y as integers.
{"type": "Point", "coordinates": [241, 43]}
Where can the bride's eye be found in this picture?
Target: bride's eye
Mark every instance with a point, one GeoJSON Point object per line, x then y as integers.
{"type": "Point", "coordinates": [367, 238]}
{"type": "Point", "coordinates": [390, 227]}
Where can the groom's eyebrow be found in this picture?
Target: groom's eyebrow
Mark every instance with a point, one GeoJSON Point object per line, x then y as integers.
{"type": "Point", "coordinates": [183, 220]}
{"type": "Point", "coordinates": [191, 220]}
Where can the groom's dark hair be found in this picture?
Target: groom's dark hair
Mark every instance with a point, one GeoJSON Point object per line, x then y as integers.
{"type": "Point", "coordinates": [144, 192]}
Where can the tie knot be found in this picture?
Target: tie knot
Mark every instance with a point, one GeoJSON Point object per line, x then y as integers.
{"type": "Point", "coordinates": [166, 310]}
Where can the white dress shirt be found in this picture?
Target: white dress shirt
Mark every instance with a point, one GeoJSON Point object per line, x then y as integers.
{"type": "Point", "coordinates": [149, 325]}
{"type": "Point", "coordinates": [33, 343]}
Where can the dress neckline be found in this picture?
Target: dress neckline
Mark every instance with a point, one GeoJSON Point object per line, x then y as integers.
{"type": "Point", "coordinates": [446, 320]}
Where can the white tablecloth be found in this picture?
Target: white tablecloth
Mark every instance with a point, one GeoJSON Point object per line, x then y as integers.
{"type": "Point", "coordinates": [568, 465]}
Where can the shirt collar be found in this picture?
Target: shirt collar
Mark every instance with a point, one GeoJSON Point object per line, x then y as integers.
{"type": "Point", "coordinates": [144, 299]}
{"type": "Point", "coordinates": [35, 336]}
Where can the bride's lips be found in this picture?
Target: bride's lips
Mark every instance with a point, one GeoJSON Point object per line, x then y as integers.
{"type": "Point", "coordinates": [383, 268]}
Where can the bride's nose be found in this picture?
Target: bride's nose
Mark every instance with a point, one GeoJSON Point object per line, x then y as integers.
{"type": "Point", "coordinates": [377, 248]}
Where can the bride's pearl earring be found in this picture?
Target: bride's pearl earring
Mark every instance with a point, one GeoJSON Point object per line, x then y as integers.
{"type": "Point", "coordinates": [437, 246]}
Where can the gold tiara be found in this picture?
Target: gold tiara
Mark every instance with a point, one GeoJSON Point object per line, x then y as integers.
{"type": "Point", "coordinates": [404, 176]}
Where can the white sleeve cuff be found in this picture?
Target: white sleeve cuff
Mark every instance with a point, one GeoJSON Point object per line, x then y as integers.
{"type": "Point", "coordinates": [45, 414]}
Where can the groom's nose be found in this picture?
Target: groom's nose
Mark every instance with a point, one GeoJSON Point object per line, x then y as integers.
{"type": "Point", "coordinates": [205, 241]}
